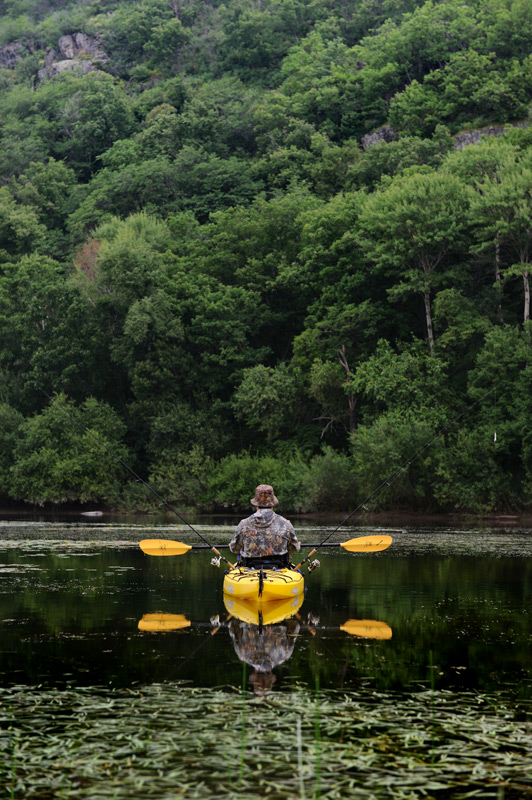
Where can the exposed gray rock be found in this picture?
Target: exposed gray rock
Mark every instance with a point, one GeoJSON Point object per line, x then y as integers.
{"type": "Point", "coordinates": [384, 134]}
{"type": "Point", "coordinates": [461, 140]}
{"type": "Point", "coordinates": [68, 64]}
{"type": "Point", "coordinates": [49, 58]}
{"type": "Point", "coordinates": [77, 44]}
{"type": "Point", "coordinates": [10, 54]}
{"type": "Point", "coordinates": [464, 138]}
{"type": "Point", "coordinates": [78, 51]}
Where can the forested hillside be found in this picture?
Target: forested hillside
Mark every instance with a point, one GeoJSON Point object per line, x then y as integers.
{"type": "Point", "coordinates": [266, 241]}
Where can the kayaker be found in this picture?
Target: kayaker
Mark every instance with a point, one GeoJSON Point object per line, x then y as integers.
{"type": "Point", "coordinates": [265, 538]}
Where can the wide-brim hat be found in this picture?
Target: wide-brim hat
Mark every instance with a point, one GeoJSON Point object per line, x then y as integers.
{"type": "Point", "coordinates": [264, 497]}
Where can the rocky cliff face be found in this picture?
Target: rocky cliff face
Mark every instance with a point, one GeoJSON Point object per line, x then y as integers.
{"type": "Point", "coordinates": [461, 140]}
{"type": "Point", "coordinates": [464, 138]}
{"type": "Point", "coordinates": [384, 134]}
{"type": "Point", "coordinates": [78, 44]}
{"type": "Point", "coordinates": [77, 51]}
{"type": "Point", "coordinates": [10, 53]}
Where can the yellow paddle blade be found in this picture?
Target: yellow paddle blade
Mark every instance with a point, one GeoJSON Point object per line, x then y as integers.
{"type": "Point", "coordinates": [367, 544]}
{"type": "Point", "coordinates": [163, 622]}
{"type": "Point", "coordinates": [367, 629]}
{"type": "Point", "coordinates": [163, 547]}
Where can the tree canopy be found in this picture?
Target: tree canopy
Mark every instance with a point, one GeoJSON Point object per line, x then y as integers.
{"type": "Point", "coordinates": [282, 242]}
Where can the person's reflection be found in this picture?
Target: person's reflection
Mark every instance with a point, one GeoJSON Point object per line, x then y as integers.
{"type": "Point", "coordinates": [263, 647]}
{"type": "Point", "coordinates": [263, 635]}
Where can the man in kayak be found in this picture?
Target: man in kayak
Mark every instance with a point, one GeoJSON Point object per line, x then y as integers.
{"type": "Point", "coordinates": [265, 538]}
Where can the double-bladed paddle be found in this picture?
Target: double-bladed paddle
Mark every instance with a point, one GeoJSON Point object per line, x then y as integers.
{"type": "Point", "coordinates": [168, 547]}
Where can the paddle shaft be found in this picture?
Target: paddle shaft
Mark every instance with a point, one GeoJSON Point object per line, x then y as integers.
{"type": "Point", "coordinates": [168, 547]}
{"type": "Point", "coordinates": [303, 544]}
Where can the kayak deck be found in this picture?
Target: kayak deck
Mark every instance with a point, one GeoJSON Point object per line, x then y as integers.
{"type": "Point", "coordinates": [275, 584]}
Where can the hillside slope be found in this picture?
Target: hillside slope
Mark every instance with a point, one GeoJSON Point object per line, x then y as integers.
{"type": "Point", "coordinates": [266, 241]}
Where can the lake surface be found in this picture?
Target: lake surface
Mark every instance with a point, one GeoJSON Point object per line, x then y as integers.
{"type": "Point", "coordinates": [457, 603]}
{"type": "Point", "coordinates": [405, 673]}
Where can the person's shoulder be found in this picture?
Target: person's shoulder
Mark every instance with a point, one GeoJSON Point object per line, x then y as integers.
{"type": "Point", "coordinates": [282, 520]}
{"type": "Point", "coordinates": [244, 521]}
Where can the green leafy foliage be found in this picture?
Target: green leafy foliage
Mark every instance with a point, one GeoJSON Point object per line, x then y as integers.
{"type": "Point", "coordinates": [184, 479]}
{"type": "Point", "coordinates": [407, 380]}
{"type": "Point", "coordinates": [415, 228]}
{"type": "Point", "coordinates": [146, 32]}
{"type": "Point", "coordinates": [471, 473]}
{"type": "Point", "coordinates": [391, 456]}
{"type": "Point", "coordinates": [229, 485]}
{"type": "Point", "coordinates": [267, 400]}
{"type": "Point", "coordinates": [57, 462]}
{"type": "Point", "coordinates": [19, 227]}
{"type": "Point", "coordinates": [267, 239]}
{"type": "Point", "coordinates": [10, 425]}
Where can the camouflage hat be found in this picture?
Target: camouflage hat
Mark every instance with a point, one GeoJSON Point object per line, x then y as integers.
{"type": "Point", "coordinates": [264, 497]}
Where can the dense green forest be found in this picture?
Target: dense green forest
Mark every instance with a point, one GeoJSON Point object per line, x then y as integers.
{"type": "Point", "coordinates": [266, 241]}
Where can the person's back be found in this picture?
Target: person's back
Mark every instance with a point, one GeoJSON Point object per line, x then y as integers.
{"type": "Point", "coordinates": [264, 535]}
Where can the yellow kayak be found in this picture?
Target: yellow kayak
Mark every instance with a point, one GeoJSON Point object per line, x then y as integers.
{"type": "Point", "coordinates": [266, 584]}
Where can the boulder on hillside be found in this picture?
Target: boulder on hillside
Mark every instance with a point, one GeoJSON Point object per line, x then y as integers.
{"type": "Point", "coordinates": [384, 134]}
{"type": "Point", "coordinates": [80, 44]}
{"type": "Point", "coordinates": [77, 51]}
{"type": "Point", "coordinates": [464, 138]}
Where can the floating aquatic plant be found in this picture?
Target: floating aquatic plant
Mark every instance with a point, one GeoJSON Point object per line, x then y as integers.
{"type": "Point", "coordinates": [168, 741]}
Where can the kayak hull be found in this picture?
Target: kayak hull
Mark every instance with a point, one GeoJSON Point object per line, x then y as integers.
{"type": "Point", "coordinates": [280, 584]}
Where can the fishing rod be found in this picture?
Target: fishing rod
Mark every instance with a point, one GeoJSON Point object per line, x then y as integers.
{"type": "Point", "coordinates": [168, 547]}
{"type": "Point", "coordinates": [388, 481]}
{"type": "Point", "coordinates": [135, 475]}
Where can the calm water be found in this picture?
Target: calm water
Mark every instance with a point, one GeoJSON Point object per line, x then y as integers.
{"type": "Point", "coordinates": [72, 596]}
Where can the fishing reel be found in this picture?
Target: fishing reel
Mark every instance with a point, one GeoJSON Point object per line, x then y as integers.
{"type": "Point", "coordinates": [216, 561]}
{"type": "Point", "coordinates": [313, 565]}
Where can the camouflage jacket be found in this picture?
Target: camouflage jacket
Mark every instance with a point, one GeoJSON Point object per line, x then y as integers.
{"type": "Point", "coordinates": [264, 533]}
{"type": "Point", "coordinates": [264, 648]}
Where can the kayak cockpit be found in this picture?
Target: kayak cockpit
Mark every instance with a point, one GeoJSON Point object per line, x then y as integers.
{"type": "Point", "coordinates": [264, 583]}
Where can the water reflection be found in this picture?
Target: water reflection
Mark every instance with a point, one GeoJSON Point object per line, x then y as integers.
{"type": "Point", "coordinates": [71, 599]}
{"type": "Point", "coordinates": [264, 634]}
{"type": "Point", "coordinates": [264, 647]}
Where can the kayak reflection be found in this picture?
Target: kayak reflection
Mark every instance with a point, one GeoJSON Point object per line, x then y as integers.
{"type": "Point", "coordinates": [264, 633]}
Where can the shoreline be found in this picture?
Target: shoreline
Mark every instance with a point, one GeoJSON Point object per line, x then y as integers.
{"type": "Point", "coordinates": [385, 518]}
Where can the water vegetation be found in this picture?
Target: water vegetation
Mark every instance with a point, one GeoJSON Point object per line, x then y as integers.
{"type": "Point", "coordinates": [172, 740]}
{"type": "Point", "coordinates": [71, 608]}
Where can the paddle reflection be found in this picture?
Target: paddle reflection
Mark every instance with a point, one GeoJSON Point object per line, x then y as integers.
{"type": "Point", "coordinates": [264, 634]}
